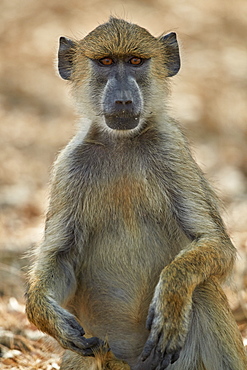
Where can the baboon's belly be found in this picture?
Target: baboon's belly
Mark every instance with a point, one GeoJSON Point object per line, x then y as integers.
{"type": "Point", "coordinates": [114, 307]}
{"type": "Point", "coordinates": [117, 286]}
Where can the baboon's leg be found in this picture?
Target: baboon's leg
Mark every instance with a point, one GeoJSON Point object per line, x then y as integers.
{"type": "Point", "coordinates": [214, 341]}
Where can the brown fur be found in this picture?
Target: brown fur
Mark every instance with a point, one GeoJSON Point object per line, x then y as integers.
{"type": "Point", "coordinates": [133, 231]}
{"type": "Point", "coordinates": [102, 361]}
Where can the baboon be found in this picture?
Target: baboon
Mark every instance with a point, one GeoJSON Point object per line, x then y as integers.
{"type": "Point", "coordinates": [128, 274]}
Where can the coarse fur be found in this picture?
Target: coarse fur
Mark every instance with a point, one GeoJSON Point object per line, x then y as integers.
{"type": "Point", "coordinates": [134, 250]}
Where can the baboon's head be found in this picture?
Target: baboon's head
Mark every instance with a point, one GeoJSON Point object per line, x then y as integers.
{"type": "Point", "coordinates": [118, 71]}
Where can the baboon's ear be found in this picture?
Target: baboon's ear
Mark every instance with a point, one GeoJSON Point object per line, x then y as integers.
{"type": "Point", "coordinates": [172, 53]}
{"type": "Point", "coordinates": [65, 57]}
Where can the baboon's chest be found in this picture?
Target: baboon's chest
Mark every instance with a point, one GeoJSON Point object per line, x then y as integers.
{"type": "Point", "coordinates": [130, 200]}
{"type": "Point", "coordinates": [125, 196]}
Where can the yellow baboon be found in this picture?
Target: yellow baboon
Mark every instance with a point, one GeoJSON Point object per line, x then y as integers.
{"type": "Point", "coordinates": [134, 250]}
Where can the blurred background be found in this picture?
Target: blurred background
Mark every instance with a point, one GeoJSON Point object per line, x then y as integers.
{"type": "Point", "coordinates": [209, 98]}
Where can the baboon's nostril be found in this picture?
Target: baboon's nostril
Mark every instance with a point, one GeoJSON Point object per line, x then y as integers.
{"type": "Point", "coordinates": [123, 102]}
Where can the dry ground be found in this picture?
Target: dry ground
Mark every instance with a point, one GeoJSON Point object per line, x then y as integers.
{"type": "Point", "coordinates": [209, 98]}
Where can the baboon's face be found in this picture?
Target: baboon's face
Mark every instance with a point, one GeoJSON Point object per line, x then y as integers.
{"type": "Point", "coordinates": [118, 72]}
{"type": "Point", "coordinates": [119, 82]}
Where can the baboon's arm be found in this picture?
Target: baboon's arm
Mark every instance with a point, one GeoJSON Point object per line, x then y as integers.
{"type": "Point", "coordinates": [53, 280]}
{"type": "Point", "coordinates": [210, 253]}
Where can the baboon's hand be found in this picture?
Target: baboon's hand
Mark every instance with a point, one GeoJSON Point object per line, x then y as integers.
{"type": "Point", "coordinates": [168, 321]}
{"type": "Point", "coordinates": [70, 335]}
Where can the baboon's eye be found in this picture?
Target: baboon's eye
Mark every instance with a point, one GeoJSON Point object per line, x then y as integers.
{"type": "Point", "coordinates": [135, 61]}
{"type": "Point", "coordinates": [106, 61]}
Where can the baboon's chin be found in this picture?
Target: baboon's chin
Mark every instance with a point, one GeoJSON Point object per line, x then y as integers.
{"type": "Point", "coordinates": [122, 123]}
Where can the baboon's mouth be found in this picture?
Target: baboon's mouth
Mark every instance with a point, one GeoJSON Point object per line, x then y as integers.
{"type": "Point", "coordinates": [122, 122]}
